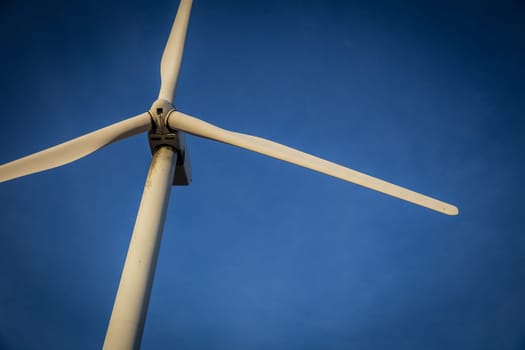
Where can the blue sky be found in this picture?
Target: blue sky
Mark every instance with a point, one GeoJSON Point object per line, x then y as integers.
{"type": "Point", "coordinates": [257, 253]}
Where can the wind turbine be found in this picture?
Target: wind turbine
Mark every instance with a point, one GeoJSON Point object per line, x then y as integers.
{"type": "Point", "coordinates": [170, 165]}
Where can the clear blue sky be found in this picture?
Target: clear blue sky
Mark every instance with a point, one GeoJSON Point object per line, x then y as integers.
{"type": "Point", "coordinates": [259, 254]}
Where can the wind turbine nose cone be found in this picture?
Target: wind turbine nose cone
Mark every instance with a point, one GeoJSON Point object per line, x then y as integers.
{"type": "Point", "coordinates": [161, 107]}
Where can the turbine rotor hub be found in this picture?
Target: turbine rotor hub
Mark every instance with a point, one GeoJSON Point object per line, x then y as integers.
{"type": "Point", "coordinates": [161, 135]}
{"type": "Point", "coordinates": [159, 112]}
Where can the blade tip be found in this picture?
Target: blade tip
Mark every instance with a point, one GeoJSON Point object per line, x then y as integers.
{"type": "Point", "coordinates": [451, 210]}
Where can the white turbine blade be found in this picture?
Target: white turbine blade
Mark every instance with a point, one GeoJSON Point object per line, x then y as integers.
{"type": "Point", "coordinates": [72, 150]}
{"type": "Point", "coordinates": [172, 56]}
{"type": "Point", "coordinates": [198, 127]}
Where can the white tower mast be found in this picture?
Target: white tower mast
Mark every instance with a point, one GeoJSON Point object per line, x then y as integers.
{"type": "Point", "coordinates": [131, 303]}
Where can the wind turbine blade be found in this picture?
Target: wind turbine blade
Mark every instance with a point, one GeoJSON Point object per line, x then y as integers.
{"type": "Point", "coordinates": [72, 150]}
{"type": "Point", "coordinates": [191, 125]}
{"type": "Point", "coordinates": [172, 56]}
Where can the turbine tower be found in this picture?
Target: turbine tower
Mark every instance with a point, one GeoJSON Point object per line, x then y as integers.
{"type": "Point", "coordinates": [170, 165]}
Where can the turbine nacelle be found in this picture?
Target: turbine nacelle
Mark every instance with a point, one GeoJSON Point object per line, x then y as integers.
{"type": "Point", "coordinates": [161, 135]}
